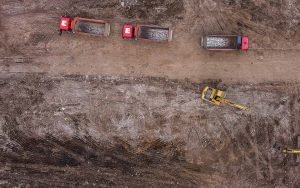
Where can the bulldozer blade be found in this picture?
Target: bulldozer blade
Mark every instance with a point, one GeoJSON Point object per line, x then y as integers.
{"type": "Point", "coordinates": [298, 156]}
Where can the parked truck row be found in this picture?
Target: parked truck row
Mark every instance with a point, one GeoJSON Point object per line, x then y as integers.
{"type": "Point", "coordinates": [150, 32]}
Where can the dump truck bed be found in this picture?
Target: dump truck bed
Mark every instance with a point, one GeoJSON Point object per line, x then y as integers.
{"type": "Point", "coordinates": [91, 26]}
{"type": "Point", "coordinates": [153, 33]}
{"type": "Point", "coordinates": [229, 42]}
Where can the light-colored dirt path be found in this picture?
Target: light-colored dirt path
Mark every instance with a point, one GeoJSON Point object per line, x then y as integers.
{"type": "Point", "coordinates": [30, 44]}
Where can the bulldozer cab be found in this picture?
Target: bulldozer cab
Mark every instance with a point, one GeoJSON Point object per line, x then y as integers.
{"type": "Point", "coordinates": [212, 95]}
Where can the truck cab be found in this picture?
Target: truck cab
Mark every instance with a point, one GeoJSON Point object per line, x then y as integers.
{"type": "Point", "coordinates": [65, 24]}
{"type": "Point", "coordinates": [243, 42]}
{"type": "Point", "coordinates": [128, 31]}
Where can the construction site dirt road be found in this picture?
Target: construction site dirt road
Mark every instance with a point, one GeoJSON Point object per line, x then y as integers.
{"type": "Point", "coordinates": [85, 111]}
{"type": "Point", "coordinates": [30, 42]}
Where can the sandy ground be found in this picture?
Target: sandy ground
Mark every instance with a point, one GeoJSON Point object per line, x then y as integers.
{"type": "Point", "coordinates": [85, 111]}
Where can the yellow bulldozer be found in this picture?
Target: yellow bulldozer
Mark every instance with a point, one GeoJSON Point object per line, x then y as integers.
{"type": "Point", "coordinates": [217, 97]}
{"type": "Point", "coordinates": [287, 151]}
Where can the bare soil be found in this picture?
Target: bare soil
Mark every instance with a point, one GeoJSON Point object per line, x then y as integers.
{"type": "Point", "coordinates": [29, 31]}
{"type": "Point", "coordinates": [137, 132]}
{"type": "Point", "coordinates": [82, 111]}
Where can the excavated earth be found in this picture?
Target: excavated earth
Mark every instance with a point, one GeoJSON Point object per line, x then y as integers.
{"type": "Point", "coordinates": [125, 131]}
{"type": "Point", "coordinates": [80, 111]}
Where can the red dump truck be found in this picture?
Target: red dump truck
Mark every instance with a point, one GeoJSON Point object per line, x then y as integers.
{"type": "Point", "coordinates": [147, 32]}
{"type": "Point", "coordinates": [225, 42]}
{"type": "Point", "coordinates": [85, 26]}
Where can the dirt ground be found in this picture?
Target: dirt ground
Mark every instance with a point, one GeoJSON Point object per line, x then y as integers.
{"type": "Point", "coordinates": [141, 132]}
{"type": "Point", "coordinates": [30, 42]}
{"type": "Point", "coordinates": [106, 112]}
